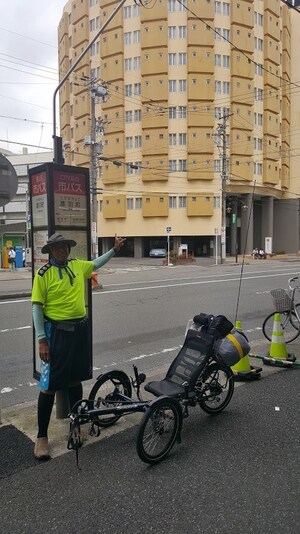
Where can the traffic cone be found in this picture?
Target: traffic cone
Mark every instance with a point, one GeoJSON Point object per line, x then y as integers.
{"type": "Point", "coordinates": [243, 370]}
{"type": "Point", "coordinates": [278, 348]}
{"type": "Point", "coordinates": [278, 354]}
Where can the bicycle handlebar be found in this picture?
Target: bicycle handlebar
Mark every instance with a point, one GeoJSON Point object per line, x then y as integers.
{"type": "Point", "coordinates": [293, 279]}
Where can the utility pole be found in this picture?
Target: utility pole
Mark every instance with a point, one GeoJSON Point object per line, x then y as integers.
{"type": "Point", "coordinates": [221, 136]}
{"type": "Point", "coordinates": [97, 127]}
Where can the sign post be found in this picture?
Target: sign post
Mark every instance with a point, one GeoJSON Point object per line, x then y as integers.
{"type": "Point", "coordinates": [216, 235]}
{"type": "Point", "coordinates": [60, 202]}
{"type": "Point", "coordinates": [168, 230]}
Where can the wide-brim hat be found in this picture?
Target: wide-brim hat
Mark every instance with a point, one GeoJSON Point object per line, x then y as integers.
{"type": "Point", "coordinates": [57, 238]}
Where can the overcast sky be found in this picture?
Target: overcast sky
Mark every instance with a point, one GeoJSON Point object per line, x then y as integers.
{"type": "Point", "coordinates": [28, 71]}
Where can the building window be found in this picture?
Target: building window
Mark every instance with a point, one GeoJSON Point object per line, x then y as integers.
{"type": "Point", "coordinates": [172, 202]}
{"type": "Point", "coordinates": [258, 69]}
{"type": "Point", "coordinates": [172, 165]}
{"type": "Point", "coordinates": [182, 58]}
{"type": "Point", "coordinates": [218, 87]}
{"type": "Point", "coordinates": [129, 169]}
{"type": "Point", "coordinates": [128, 116]}
{"type": "Point", "coordinates": [218, 60]}
{"type": "Point", "coordinates": [127, 12]}
{"type": "Point", "coordinates": [136, 36]}
{"type": "Point", "coordinates": [182, 32]}
{"type": "Point", "coordinates": [182, 6]}
{"type": "Point", "coordinates": [128, 63]}
{"type": "Point", "coordinates": [182, 86]}
{"type": "Point", "coordinates": [217, 165]}
{"type": "Point", "coordinates": [182, 139]}
{"type": "Point", "coordinates": [226, 34]}
{"type": "Point", "coordinates": [137, 63]}
{"type": "Point", "coordinates": [218, 35]}
{"type": "Point", "coordinates": [182, 112]}
{"type": "Point", "coordinates": [258, 93]}
{"type": "Point", "coordinates": [137, 141]}
{"type": "Point", "coordinates": [137, 115]}
{"type": "Point", "coordinates": [257, 168]}
{"type": "Point", "coordinates": [137, 89]}
{"type": "Point", "coordinates": [128, 90]}
{"type": "Point", "coordinates": [135, 10]}
{"type": "Point", "coordinates": [182, 202]}
{"type": "Point", "coordinates": [172, 32]}
{"type": "Point", "coordinates": [218, 112]}
{"type": "Point", "coordinates": [226, 88]}
{"type": "Point", "coordinates": [182, 165]}
{"type": "Point", "coordinates": [127, 38]}
{"type": "Point", "coordinates": [129, 143]}
{"type": "Point", "coordinates": [226, 8]}
{"type": "Point", "coordinates": [130, 203]}
{"type": "Point", "coordinates": [172, 6]}
{"type": "Point", "coordinates": [172, 139]}
{"type": "Point", "coordinates": [172, 86]}
{"type": "Point", "coordinates": [226, 62]}
{"type": "Point", "coordinates": [217, 8]}
{"type": "Point", "coordinates": [172, 112]}
{"type": "Point", "coordinates": [172, 59]}
{"type": "Point", "coordinates": [138, 203]}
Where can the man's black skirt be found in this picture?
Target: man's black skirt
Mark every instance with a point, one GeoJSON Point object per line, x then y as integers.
{"type": "Point", "coordinates": [71, 355]}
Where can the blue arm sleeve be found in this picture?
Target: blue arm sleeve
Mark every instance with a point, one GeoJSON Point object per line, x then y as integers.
{"type": "Point", "coordinates": [38, 320]}
{"type": "Point", "coordinates": [102, 260]}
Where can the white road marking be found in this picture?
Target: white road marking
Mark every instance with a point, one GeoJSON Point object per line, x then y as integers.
{"type": "Point", "coordinates": [9, 301]}
{"type": "Point", "coordinates": [14, 329]}
{"type": "Point", "coordinates": [6, 390]}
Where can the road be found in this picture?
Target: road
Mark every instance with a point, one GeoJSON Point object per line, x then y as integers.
{"type": "Point", "coordinates": [141, 314]}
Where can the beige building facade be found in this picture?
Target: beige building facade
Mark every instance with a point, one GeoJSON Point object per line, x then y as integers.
{"type": "Point", "coordinates": [201, 122]}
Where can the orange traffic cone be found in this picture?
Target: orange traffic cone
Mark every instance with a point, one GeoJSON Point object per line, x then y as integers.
{"type": "Point", "coordinates": [243, 370]}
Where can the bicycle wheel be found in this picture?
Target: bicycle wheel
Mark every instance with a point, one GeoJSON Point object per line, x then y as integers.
{"type": "Point", "coordinates": [215, 388]}
{"type": "Point", "coordinates": [289, 323]}
{"type": "Point", "coordinates": [158, 430]}
{"type": "Point", "coordinates": [105, 392]}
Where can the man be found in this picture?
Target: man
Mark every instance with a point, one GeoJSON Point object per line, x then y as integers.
{"type": "Point", "coordinates": [11, 258]}
{"type": "Point", "coordinates": [59, 317]}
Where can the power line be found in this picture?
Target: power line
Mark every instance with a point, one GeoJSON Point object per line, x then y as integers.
{"type": "Point", "coordinates": [24, 144]}
{"type": "Point", "coordinates": [27, 37]}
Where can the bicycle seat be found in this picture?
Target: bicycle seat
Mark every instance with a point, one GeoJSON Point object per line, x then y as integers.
{"type": "Point", "coordinates": [185, 368]}
{"type": "Point", "coordinates": [165, 387]}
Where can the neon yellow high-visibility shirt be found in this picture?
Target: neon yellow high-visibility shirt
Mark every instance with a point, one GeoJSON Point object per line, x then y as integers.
{"type": "Point", "coordinates": [60, 299]}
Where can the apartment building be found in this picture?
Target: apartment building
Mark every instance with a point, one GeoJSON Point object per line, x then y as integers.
{"type": "Point", "coordinates": [200, 128]}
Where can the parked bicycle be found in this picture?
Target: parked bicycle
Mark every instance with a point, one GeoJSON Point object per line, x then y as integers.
{"type": "Point", "coordinates": [199, 375]}
{"type": "Point", "coordinates": [284, 304]}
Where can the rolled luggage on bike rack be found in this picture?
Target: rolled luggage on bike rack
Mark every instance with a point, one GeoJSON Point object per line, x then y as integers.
{"type": "Point", "coordinates": [199, 375]}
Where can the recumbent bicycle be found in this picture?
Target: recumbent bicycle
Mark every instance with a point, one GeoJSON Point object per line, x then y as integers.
{"type": "Point", "coordinates": [199, 375]}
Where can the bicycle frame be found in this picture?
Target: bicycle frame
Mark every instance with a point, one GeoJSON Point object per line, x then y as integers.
{"type": "Point", "coordinates": [191, 379]}
{"type": "Point", "coordinates": [86, 414]}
